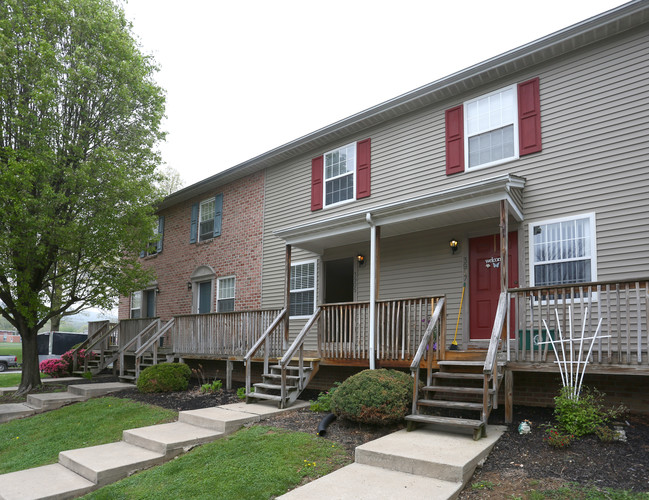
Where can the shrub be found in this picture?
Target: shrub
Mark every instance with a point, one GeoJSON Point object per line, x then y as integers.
{"type": "Point", "coordinates": [241, 392]}
{"type": "Point", "coordinates": [323, 402]}
{"type": "Point", "coordinates": [54, 367]}
{"type": "Point", "coordinates": [165, 377]}
{"type": "Point", "coordinates": [582, 416]}
{"type": "Point", "coordinates": [374, 397]}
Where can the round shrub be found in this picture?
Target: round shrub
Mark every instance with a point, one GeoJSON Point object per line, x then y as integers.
{"type": "Point", "coordinates": [374, 397]}
{"type": "Point", "coordinates": [165, 377]}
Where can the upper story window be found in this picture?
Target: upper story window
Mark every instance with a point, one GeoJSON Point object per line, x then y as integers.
{"type": "Point", "coordinates": [225, 294]}
{"type": "Point", "coordinates": [494, 128]}
{"type": "Point", "coordinates": [339, 173]}
{"type": "Point", "coordinates": [158, 233]}
{"type": "Point", "coordinates": [206, 219]}
{"type": "Point", "coordinates": [491, 127]}
{"type": "Point", "coordinates": [302, 289]}
{"type": "Point", "coordinates": [563, 251]}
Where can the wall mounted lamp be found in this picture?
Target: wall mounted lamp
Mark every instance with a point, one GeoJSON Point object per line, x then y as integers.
{"type": "Point", "coordinates": [360, 259]}
{"type": "Point", "coordinates": [189, 285]}
{"type": "Point", "coordinates": [157, 290]}
{"type": "Point", "coordinates": [454, 245]}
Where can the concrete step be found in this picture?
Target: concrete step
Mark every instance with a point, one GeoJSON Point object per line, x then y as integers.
{"type": "Point", "coordinates": [428, 453]}
{"type": "Point", "coordinates": [170, 439]}
{"type": "Point", "coordinates": [52, 400]}
{"type": "Point", "coordinates": [107, 463]}
{"type": "Point", "coordinates": [217, 419]}
{"type": "Point", "coordinates": [101, 389]}
{"type": "Point", "coordinates": [12, 411]}
{"type": "Point", "coordinates": [49, 481]}
{"type": "Point", "coordinates": [364, 482]}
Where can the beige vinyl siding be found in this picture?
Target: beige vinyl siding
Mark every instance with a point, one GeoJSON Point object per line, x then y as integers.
{"type": "Point", "coordinates": [595, 158]}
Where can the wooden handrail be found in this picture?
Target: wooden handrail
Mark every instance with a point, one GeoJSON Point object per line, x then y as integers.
{"type": "Point", "coordinates": [496, 333]}
{"type": "Point", "coordinates": [299, 340]}
{"type": "Point", "coordinates": [576, 285]}
{"type": "Point", "coordinates": [263, 338]}
{"type": "Point", "coordinates": [143, 348]}
{"type": "Point", "coordinates": [429, 330]}
{"type": "Point", "coordinates": [99, 338]}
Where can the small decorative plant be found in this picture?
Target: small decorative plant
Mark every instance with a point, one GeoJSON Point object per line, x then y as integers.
{"type": "Point", "coordinates": [164, 377]}
{"type": "Point", "coordinates": [215, 386]}
{"type": "Point", "coordinates": [55, 368]}
{"type": "Point", "coordinates": [556, 438]}
{"type": "Point", "coordinates": [323, 402]}
{"type": "Point", "coordinates": [582, 416]}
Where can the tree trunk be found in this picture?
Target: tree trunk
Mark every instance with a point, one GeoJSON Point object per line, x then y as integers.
{"type": "Point", "coordinates": [31, 377]}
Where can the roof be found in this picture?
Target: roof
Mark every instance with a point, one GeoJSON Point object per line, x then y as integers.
{"type": "Point", "coordinates": [592, 30]}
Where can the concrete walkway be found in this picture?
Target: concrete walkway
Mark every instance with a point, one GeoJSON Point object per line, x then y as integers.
{"type": "Point", "coordinates": [425, 463]}
{"type": "Point", "coordinates": [83, 470]}
{"type": "Point", "coordinates": [38, 403]}
{"type": "Point", "coordinates": [428, 462]}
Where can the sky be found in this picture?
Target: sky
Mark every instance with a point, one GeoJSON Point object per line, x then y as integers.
{"type": "Point", "coordinates": [244, 77]}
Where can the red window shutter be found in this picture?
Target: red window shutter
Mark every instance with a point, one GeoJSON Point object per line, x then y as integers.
{"type": "Point", "coordinates": [529, 117]}
{"type": "Point", "coordinates": [363, 154]}
{"type": "Point", "coordinates": [316, 182]}
{"type": "Point", "coordinates": [455, 140]}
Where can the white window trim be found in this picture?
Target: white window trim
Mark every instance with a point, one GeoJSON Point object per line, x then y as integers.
{"type": "Point", "coordinates": [200, 213]}
{"type": "Point", "coordinates": [593, 249]}
{"type": "Point", "coordinates": [324, 178]}
{"type": "Point", "coordinates": [218, 290]}
{"type": "Point", "coordinates": [131, 308]}
{"type": "Point", "coordinates": [315, 286]}
{"type": "Point", "coordinates": [465, 108]}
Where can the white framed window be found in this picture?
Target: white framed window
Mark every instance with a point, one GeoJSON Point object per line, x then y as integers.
{"type": "Point", "coordinates": [136, 305]}
{"type": "Point", "coordinates": [563, 251]}
{"type": "Point", "coordinates": [225, 294]}
{"type": "Point", "coordinates": [302, 285]}
{"type": "Point", "coordinates": [491, 129]}
{"type": "Point", "coordinates": [340, 175]}
{"type": "Point", "coordinates": [206, 215]}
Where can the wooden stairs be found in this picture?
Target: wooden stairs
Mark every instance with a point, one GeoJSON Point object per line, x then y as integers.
{"type": "Point", "coordinates": [129, 374]}
{"type": "Point", "coordinates": [455, 394]}
{"type": "Point", "coordinates": [270, 388]}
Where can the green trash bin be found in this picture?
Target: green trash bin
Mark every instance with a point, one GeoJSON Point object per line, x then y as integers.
{"type": "Point", "coordinates": [525, 339]}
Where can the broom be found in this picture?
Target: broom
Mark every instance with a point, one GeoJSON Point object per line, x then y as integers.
{"type": "Point", "coordinates": [454, 346]}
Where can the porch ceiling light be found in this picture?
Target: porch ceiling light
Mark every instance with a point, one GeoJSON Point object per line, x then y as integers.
{"type": "Point", "coordinates": [454, 245]}
{"type": "Point", "coordinates": [360, 259]}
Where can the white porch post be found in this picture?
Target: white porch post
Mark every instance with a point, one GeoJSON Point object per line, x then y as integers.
{"type": "Point", "coordinates": [373, 263]}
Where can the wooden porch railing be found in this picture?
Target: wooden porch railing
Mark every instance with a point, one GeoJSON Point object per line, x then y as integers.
{"type": "Point", "coordinates": [427, 347]}
{"type": "Point", "coordinates": [400, 327]}
{"type": "Point", "coordinates": [271, 344]}
{"type": "Point", "coordinates": [623, 305]}
{"type": "Point", "coordinates": [496, 345]}
{"type": "Point", "coordinates": [156, 338]}
{"type": "Point", "coordinates": [128, 330]}
{"type": "Point", "coordinates": [220, 334]}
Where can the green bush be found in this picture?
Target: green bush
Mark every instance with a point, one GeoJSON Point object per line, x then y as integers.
{"type": "Point", "coordinates": [215, 386]}
{"type": "Point", "coordinates": [374, 397]}
{"type": "Point", "coordinates": [584, 415]}
{"type": "Point", "coordinates": [323, 402]}
{"type": "Point", "coordinates": [165, 377]}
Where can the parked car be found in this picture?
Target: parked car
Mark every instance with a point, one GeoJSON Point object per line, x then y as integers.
{"type": "Point", "coordinates": [7, 362]}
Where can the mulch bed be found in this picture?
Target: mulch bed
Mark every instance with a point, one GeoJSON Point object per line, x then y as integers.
{"type": "Point", "coordinates": [516, 462]}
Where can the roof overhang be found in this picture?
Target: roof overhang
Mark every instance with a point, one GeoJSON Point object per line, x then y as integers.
{"type": "Point", "coordinates": [472, 202]}
{"type": "Point", "coordinates": [597, 28]}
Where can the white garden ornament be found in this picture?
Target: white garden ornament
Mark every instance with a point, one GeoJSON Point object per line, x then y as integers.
{"type": "Point", "coordinates": [572, 371]}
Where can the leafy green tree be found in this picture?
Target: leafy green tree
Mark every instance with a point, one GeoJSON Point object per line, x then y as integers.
{"type": "Point", "coordinates": [79, 123]}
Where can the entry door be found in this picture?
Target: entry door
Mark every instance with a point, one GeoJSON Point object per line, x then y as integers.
{"type": "Point", "coordinates": [205, 297]}
{"type": "Point", "coordinates": [339, 281]}
{"type": "Point", "coordinates": [484, 280]}
{"type": "Point", "coordinates": [149, 303]}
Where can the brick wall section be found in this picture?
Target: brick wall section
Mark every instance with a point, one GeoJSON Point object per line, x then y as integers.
{"type": "Point", "coordinates": [236, 252]}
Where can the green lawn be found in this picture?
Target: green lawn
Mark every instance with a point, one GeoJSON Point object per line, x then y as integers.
{"type": "Point", "coordinates": [254, 463]}
{"type": "Point", "coordinates": [34, 441]}
{"type": "Point", "coordinates": [9, 379]}
{"type": "Point", "coordinates": [9, 349]}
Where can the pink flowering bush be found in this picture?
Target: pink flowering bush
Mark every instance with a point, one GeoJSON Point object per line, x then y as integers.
{"type": "Point", "coordinates": [54, 367]}
{"type": "Point", "coordinates": [63, 367]}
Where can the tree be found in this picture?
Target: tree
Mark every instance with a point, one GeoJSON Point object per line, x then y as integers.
{"type": "Point", "coordinates": [170, 181]}
{"type": "Point", "coordinates": [79, 123]}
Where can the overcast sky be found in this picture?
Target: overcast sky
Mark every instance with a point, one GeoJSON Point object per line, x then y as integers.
{"type": "Point", "coordinates": [244, 77]}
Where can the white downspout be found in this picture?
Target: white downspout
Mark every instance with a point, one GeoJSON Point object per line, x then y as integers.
{"type": "Point", "coordinates": [368, 219]}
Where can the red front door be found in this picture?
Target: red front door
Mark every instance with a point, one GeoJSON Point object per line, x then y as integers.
{"type": "Point", "coordinates": [484, 280]}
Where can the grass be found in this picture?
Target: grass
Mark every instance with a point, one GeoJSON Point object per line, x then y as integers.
{"type": "Point", "coordinates": [37, 440]}
{"type": "Point", "coordinates": [254, 463]}
{"type": "Point", "coordinates": [8, 349]}
{"type": "Point", "coordinates": [9, 379]}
